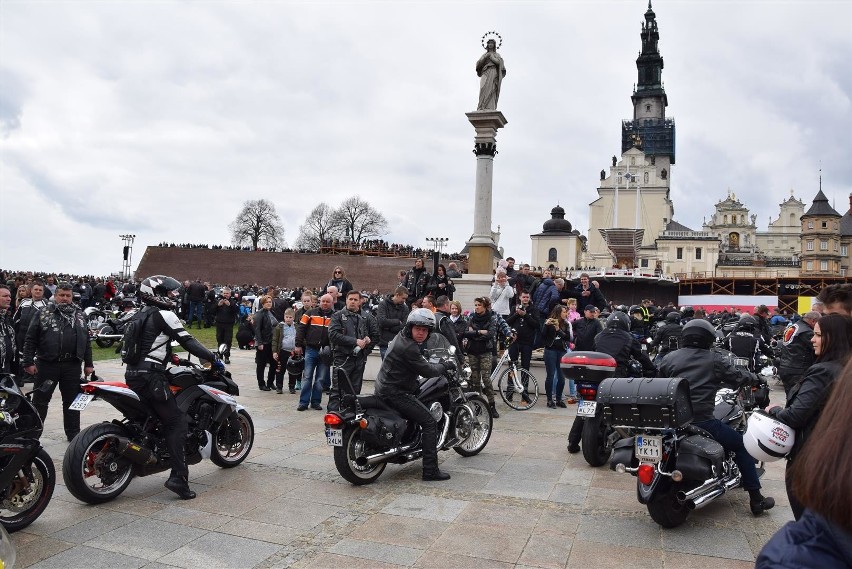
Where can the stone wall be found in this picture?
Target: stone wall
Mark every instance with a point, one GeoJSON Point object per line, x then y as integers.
{"type": "Point", "coordinates": [264, 268]}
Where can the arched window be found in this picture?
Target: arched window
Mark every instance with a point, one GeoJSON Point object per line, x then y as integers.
{"type": "Point", "coordinates": [725, 219]}
{"type": "Point", "coordinates": [646, 177]}
{"type": "Point", "coordinates": [551, 255]}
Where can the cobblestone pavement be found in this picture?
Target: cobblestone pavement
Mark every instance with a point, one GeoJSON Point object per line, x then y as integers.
{"type": "Point", "coordinates": [523, 502]}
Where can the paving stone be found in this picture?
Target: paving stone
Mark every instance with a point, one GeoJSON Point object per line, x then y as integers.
{"type": "Point", "coordinates": [426, 508]}
{"type": "Point", "coordinates": [496, 513]}
{"type": "Point", "coordinates": [540, 469]}
{"type": "Point", "coordinates": [60, 514]}
{"type": "Point", "coordinates": [293, 513]}
{"type": "Point", "coordinates": [258, 530]}
{"type": "Point", "coordinates": [672, 560]}
{"type": "Point", "coordinates": [525, 487]}
{"type": "Point", "coordinates": [546, 549]}
{"type": "Point", "coordinates": [94, 527]}
{"type": "Point", "coordinates": [585, 554]}
{"type": "Point", "coordinates": [496, 542]}
{"type": "Point", "coordinates": [334, 561]}
{"type": "Point", "coordinates": [394, 554]}
{"type": "Point", "coordinates": [433, 559]}
{"type": "Point", "coordinates": [36, 549]}
{"type": "Point", "coordinates": [149, 539]}
{"type": "Point", "coordinates": [90, 558]}
{"type": "Point", "coordinates": [400, 530]}
{"type": "Point", "coordinates": [643, 532]}
{"type": "Point", "coordinates": [190, 517]}
{"type": "Point", "coordinates": [715, 542]}
{"type": "Point", "coordinates": [214, 550]}
{"type": "Point", "coordinates": [569, 494]}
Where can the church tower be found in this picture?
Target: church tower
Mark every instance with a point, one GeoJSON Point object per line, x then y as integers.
{"type": "Point", "coordinates": [633, 207]}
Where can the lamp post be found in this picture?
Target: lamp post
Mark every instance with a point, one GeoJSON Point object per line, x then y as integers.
{"type": "Point", "coordinates": [438, 244]}
{"type": "Point", "coordinates": [127, 253]}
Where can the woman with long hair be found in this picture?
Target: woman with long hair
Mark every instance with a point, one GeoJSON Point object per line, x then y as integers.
{"type": "Point", "coordinates": [441, 284]}
{"type": "Point", "coordinates": [22, 293]}
{"type": "Point", "coordinates": [458, 320]}
{"type": "Point", "coordinates": [264, 326]}
{"type": "Point", "coordinates": [556, 338]}
{"type": "Point", "coordinates": [822, 536]}
{"type": "Point", "coordinates": [807, 398]}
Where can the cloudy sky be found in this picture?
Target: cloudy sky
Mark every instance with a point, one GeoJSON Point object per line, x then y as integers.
{"type": "Point", "coordinates": [161, 118]}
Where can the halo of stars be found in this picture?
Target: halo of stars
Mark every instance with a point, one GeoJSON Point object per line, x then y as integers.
{"type": "Point", "coordinates": [486, 35]}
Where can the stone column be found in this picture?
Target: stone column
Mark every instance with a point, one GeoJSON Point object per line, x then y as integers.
{"type": "Point", "coordinates": [481, 247]}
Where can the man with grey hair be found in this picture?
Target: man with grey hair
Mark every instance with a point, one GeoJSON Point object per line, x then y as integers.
{"type": "Point", "coordinates": [797, 352]}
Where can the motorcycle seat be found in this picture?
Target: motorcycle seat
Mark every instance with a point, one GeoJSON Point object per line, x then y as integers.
{"type": "Point", "coordinates": [372, 402]}
{"type": "Point", "coordinates": [696, 430]}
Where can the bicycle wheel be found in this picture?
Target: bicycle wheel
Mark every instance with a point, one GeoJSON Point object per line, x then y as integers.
{"type": "Point", "coordinates": [510, 385]}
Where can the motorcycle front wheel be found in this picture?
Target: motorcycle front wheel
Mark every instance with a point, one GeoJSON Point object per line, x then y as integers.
{"type": "Point", "coordinates": [595, 450]}
{"type": "Point", "coordinates": [93, 470]}
{"type": "Point", "coordinates": [105, 342]}
{"type": "Point", "coordinates": [233, 440]}
{"type": "Point", "coordinates": [29, 493]}
{"type": "Point", "coordinates": [474, 430]}
{"type": "Point", "coordinates": [346, 456]}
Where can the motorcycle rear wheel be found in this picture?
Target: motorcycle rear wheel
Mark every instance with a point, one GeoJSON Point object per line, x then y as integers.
{"type": "Point", "coordinates": [90, 459]}
{"type": "Point", "coordinates": [665, 509]}
{"type": "Point", "coordinates": [105, 342]}
{"type": "Point", "coordinates": [32, 497]}
{"type": "Point", "coordinates": [233, 440]}
{"type": "Point", "coordinates": [479, 426]}
{"type": "Point", "coordinates": [594, 446]}
{"type": "Point", "coordinates": [344, 459]}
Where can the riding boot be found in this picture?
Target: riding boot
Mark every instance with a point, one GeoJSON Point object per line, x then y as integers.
{"type": "Point", "coordinates": [180, 486]}
{"type": "Point", "coordinates": [494, 413]}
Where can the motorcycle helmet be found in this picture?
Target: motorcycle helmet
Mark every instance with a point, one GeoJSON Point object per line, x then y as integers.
{"type": "Point", "coordinates": [747, 322]}
{"type": "Point", "coordinates": [698, 333]}
{"type": "Point", "coordinates": [420, 317]}
{"type": "Point", "coordinates": [767, 439]}
{"type": "Point", "coordinates": [635, 309]}
{"type": "Point", "coordinates": [295, 365]}
{"type": "Point", "coordinates": [673, 317]}
{"type": "Point", "coordinates": [325, 355]}
{"type": "Point", "coordinates": [159, 291]}
{"type": "Point", "coordinates": [619, 320]}
{"type": "Point", "coordinates": [688, 312]}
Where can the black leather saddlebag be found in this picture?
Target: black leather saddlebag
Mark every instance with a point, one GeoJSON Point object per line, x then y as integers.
{"type": "Point", "coordinates": [661, 402]}
{"type": "Point", "coordinates": [384, 428]}
{"type": "Point", "coordinates": [624, 453]}
{"type": "Point", "coordinates": [699, 458]}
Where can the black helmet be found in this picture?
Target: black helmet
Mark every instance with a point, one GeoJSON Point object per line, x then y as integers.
{"type": "Point", "coordinates": [698, 333]}
{"type": "Point", "coordinates": [618, 320]}
{"type": "Point", "coordinates": [420, 317]}
{"type": "Point", "coordinates": [159, 291]}
{"type": "Point", "coordinates": [673, 317]}
{"type": "Point", "coordinates": [687, 311]}
{"type": "Point", "coordinates": [636, 309]}
{"type": "Point", "coordinates": [747, 322]}
{"type": "Point", "coordinates": [295, 365]}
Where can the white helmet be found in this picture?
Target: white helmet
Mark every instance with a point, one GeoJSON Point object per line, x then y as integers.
{"type": "Point", "coordinates": [767, 439]}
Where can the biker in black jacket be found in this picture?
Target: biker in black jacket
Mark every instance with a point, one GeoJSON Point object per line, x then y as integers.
{"type": "Point", "coordinates": [706, 370]}
{"type": "Point", "coordinates": [148, 378]}
{"type": "Point", "coordinates": [619, 343]}
{"type": "Point", "coordinates": [397, 384]}
{"type": "Point", "coordinates": [667, 337]}
{"type": "Point", "coordinates": [746, 342]}
{"type": "Point", "coordinates": [797, 352]}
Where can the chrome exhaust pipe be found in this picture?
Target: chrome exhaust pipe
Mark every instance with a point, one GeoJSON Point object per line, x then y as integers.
{"type": "Point", "coordinates": [704, 499]}
{"type": "Point", "coordinates": [707, 486]}
{"type": "Point", "coordinates": [443, 438]}
{"type": "Point", "coordinates": [374, 459]}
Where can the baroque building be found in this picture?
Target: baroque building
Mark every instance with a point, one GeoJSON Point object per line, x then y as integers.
{"type": "Point", "coordinates": [820, 243]}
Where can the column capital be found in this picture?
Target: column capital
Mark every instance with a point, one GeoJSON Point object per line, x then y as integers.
{"type": "Point", "coordinates": [485, 149]}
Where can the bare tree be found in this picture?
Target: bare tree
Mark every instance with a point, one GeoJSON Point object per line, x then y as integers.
{"type": "Point", "coordinates": [258, 224]}
{"type": "Point", "coordinates": [319, 227]}
{"type": "Point", "coordinates": [359, 221]}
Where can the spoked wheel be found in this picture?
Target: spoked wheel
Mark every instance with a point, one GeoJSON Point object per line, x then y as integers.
{"type": "Point", "coordinates": [233, 440]}
{"type": "Point", "coordinates": [664, 507]}
{"type": "Point", "coordinates": [518, 388]}
{"type": "Point", "coordinates": [105, 342]}
{"type": "Point", "coordinates": [346, 459]}
{"type": "Point", "coordinates": [93, 470]}
{"type": "Point", "coordinates": [28, 494]}
{"type": "Point", "coordinates": [473, 430]}
{"type": "Point", "coordinates": [594, 439]}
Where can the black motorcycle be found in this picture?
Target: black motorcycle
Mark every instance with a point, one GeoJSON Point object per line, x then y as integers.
{"type": "Point", "coordinates": [367, 434]}
{"type": "Point", "coordinates": [679, 467]}
{"type": "Point", "coordinates": [103, 458]}
{"type": "Point", "coordinates": [27, 475]}
{"type": "Point", "coordinates": [111, 330]}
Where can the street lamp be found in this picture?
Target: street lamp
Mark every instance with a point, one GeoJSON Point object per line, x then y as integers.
{"type": "Point", "coordinates": [438, 244]}
{"type": "Point", "coordinates": [127, 253]}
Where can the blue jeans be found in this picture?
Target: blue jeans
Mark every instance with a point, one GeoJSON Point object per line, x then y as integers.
{"type": "Point", "coordinates": [314, 374]}
{"type": "Point", "coordinates": [733, 441]}
{"type": "Point", "coordinates": [382, 351]}
{"type": "Point", "coordinates": [554, 381]}
{"type": "Point", "coordinates": [196, 309]}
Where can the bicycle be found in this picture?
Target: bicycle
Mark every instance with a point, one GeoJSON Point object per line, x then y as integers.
{"type": "Point", "coordinates": [513, 380]}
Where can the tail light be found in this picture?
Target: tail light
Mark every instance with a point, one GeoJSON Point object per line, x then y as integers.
{"type": "Point", "coordinates": [87, 388]}
{"type": "Point", "coordinates": [646, 474]}
{"type": "Point", "coordinates": [588, 393]}
{"type": "Point", "coordinates": [333, 420]}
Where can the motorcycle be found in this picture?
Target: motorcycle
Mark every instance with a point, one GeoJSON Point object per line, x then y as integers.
{"type": "Point", "coordinates": [367, 434]}
{"type": "Point", "coordinates": [679, 466]}
{"type": "Point", "coordinates": [27, 474]}
{"type": "Point", "coordinates": [103, 458]}
{"type": "Point", "coordinates": [111, 330]}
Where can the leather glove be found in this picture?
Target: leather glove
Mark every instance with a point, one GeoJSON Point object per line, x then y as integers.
{"type": "Point", "coordinates": [217, 364]}
{"type": "Point", "coordinates": [449, 365]}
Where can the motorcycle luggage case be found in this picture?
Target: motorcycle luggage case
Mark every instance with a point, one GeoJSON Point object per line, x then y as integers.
{"type": "Point", "coordinates": [700, 458]}
{"type": "Point", "coordinates": [384, 428]}
{"type": "Point", "coordinates": [587, 367]}
{"type": "Point", "coordinates": [661, 402]}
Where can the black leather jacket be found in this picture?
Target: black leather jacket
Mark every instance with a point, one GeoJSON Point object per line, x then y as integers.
{"type": "Point", "coordinates": [445, 328]}
{"type": "Point", "coordinates": [344, 329]}
{"type": "Point", "coordinates": [526, 326]}
{"type": "Point", "coordinates": [706, 371]}
{"type": "Point", "coordinates": [797, 352]}
{"type": "Point", "coordinates": [621, 345]}
{"type": "Point", "coordinates": [749, 345]}
{"type": "Point", "coordinates": [664, 335]}
{"type": "Point", "coordinates": [402, 365]}
{"type": "Point", "coordinates": [807, 398]}
{"type": "Point", "coordinates": [585, 330]}
{"type": "Point", "coordinates": [54, 338]}
{"type": "Point", "coordinates": [391, 317]}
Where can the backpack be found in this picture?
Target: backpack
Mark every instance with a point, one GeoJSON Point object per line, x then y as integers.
{"type": "Point", "coordinates": [131, 342]}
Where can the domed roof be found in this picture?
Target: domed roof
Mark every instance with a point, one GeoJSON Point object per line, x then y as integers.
{"type": "Point", "coordinates": [557, 222]}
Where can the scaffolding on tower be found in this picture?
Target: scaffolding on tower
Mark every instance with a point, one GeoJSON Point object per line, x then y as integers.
{"type": "Point", "coordinates": [624, 245]}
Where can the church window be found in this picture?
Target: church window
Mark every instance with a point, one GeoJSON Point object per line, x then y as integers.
{"type": "Point", "coordinates": [643, 263]}
{"type": "Point", "coordinates": [647, 175]}
{"type": "Point", "coordinates": [680, 253]}
{"type": "Point", "coordinates": [844, 250]}
{"type": "Point", "coordinates": [810, 224]}
{"type": "Point", "coordinates": [698, 253]}
{"type": "Point", "coordinates": [809, 266]}
{"type": "Point", "coordinates": [551, 255]}
{"type": "Point", "coordinates": [810, 246]}
{"type": "Point", "coordinates": [823, 245]}
{"type": "Point", "coordinates": [725, 219]}
{"type": "Point", "coordinates": [633, 161]}
{"type": "Point", "coordinates": [648, 108]}
{"type": "Point", "coordinates": [823, 265]}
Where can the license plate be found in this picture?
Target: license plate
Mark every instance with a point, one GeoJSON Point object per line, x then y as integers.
{"type": "Point", "coordinates": [649, 449]}
{"type": "Point", "coordinates": [587, 408]}
{"type": "Point", "coordinates": [81, 401]}
{"type": "Point", "coordinates": [334, 437]}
